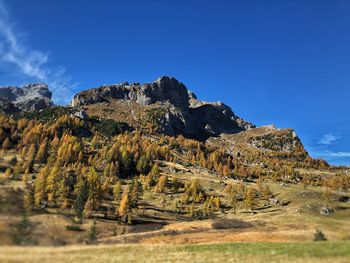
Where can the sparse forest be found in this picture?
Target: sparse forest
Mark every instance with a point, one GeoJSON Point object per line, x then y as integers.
{"type": "Point", "coordinates": [68, 165]}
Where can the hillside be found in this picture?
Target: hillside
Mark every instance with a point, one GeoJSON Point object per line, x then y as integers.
{"type": "Point", "coordinates": [152, 164]}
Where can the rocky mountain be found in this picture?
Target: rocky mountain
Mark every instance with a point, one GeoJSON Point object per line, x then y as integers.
{"type": "Point", "coordinates": [30, 97]}
{"type": "Point", "coordinates": [165, 102]}
{"type": "Point", "coordinates": [165, 106]}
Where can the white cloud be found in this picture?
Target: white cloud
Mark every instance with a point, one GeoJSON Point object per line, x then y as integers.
{"type": "Point", "coordinates": [30, 63]}
{"type": "Point", "coordinates": [331, 154]}
{"type": "Point", "coordinates": [328, 139]}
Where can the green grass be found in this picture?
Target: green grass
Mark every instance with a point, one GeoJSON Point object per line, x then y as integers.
{"type": "Point", "coordinates": [303, 249]}
{"type": "Point", "coordinates": [229, 252]}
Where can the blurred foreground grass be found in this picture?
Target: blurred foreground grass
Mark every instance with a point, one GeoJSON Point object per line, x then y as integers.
{"type": "Point", "coordinates": [228, 252]}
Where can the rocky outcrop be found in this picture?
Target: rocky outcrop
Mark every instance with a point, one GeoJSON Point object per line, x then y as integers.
{"type": "Point", "coordinates": [6, 107]}
{"type": "Point", "coordinates": [27, 98]}
{"type": "Point", "coordinates": [184, 113]}
{"type": "Point", "coordinates": [163, 89]}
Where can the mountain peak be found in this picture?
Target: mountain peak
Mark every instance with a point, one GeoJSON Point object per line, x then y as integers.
{"type": "Point", "coordinates": [182, 112]}
{"type": "Point", "coordinates": [30, 97]}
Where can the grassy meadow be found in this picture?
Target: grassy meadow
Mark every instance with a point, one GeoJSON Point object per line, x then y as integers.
{"type": "Point", "coordinates": [227, 252]}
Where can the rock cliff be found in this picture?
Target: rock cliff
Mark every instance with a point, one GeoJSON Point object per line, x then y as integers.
{"type": "Point", "coordinates": [182, 113]}
{"type": "Point", "coordinates": [30, 97]}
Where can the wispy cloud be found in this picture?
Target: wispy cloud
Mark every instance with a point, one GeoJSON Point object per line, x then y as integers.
{"type": "Point", "coordinates": [32, 64]}
{"type": "Point", "coordinates": [331, 154]}
{"type": "Point", "coordinates": [328, 139]}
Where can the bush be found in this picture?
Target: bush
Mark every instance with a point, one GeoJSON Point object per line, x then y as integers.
{"type": "Point", "coordinates": [93, 232]}
{"type": "Point", "coordinates": [13, 160]}
{"type": "Point", "coordinates": [108, 127]}
{"type": "Point", "coordinates": [230, 223]}
{"type": "Point", "coordinates": [319, 236]}
{"type": "Point", "coordinates": [74, 228]}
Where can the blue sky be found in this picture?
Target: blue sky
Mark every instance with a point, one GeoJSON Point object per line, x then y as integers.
{"type": "Point", "coordinates": [282, 62]}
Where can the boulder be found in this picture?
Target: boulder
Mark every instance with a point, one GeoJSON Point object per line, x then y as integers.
{"type": "Point", "coordinates": [326, 211]}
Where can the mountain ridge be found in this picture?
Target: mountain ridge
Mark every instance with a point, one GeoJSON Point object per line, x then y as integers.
{"type": "Point", "coordinates": [182, 112]}
{"type": "Point", "coordinates": [30, 97]}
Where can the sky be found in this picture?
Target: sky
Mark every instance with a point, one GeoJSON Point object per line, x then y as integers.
{"type": "Point", "coordinates": [282, 62]}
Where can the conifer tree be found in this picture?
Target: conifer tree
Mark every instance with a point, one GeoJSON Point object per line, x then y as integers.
{"type": "Point", "coordinates": [63, 192]}
{"type": "Point", "coordinates": [142, 165]}
{"type": "Point", "coordinates": [161, 184]}
{"type": "Point", "coordinates": [135, 193]}
{"type": "Point", "coordinates": [31, 152]}
{"type": "Point", "coordinates": [95, 187]}
{"type": "Point", "coordinates": [266, 193]}
{"type": "Point", "coordinates": [116, 191]}
{"type": "Point", "coordinates": [80, 156]}
{"type": "Point", "coordinates": [226, 170]}
{"type": "Point", "coordinates": [81, 190]}
{"type": "Point", "coordinates": [6, 144]}
{"type": "Point", "coordinates": [125, 203]}
{"type": "Point", "coordinates": [105, 187]}
{"type": "Point", "coordinates": [88, 207]}
{"type": "Point", "coordinates": [41, 156]}
{"type": "Point", "coordinates": [127, 163]}
{"type": "Point", "coordinates": [52, 184]}
{"type": "Point", "coordinates": [40, 186]}
{"type": "Point", "coordinates": [93, 232]}
{"type": "Point", "coordinates": [250, 198]}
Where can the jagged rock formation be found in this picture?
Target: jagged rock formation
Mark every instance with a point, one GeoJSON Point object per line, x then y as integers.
{"type": "Point", "coordinates": [28, 98]}
{"type": "Point", "coordinates": [6, 107]}
{"type": "Point", "coordinates": [180, 112]}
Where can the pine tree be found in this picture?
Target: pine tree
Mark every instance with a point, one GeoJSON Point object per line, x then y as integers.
{"type": "Point", "coordinates": [55, 143]}
{"type": "Point", "coordinates": [88, 209]}
{"type": "Point", "coordinates": [193, 189]}
{"type": "Point", "coordinates": [226, 170]}
{"type": "Point", "coordinates": [162, 182]}
{"type": "Point", "coordinates": [63, 192]}
{"type": "Point", "coordinates": [93, 232]}
{"type": "Point", "coordinates": [31, 153]}
{"type": "Point", "coordinates": [142, 165]}
{"type": "Point", "coordinates": [81, 190]}
{"type": "Point", "coordinates": [95, 188]}
{"type": "Point", "coordinates": [126, 163]}
{"type": "Point", "coordinates": [155, 170]}
{"type": "Point", "coordinates": [96, 141]}
{"type": "Point", "coordinates": [250, 198]}
{"type": "Point", "coordinates": [80, 156]}
{"type": "Point", "coordinates": [40, 186]}
{"type": "Point", "coordinates": [6, 144]}
{"type": "Point", "coordinates": [266, 193]}
{"type": "Point", "coordinates": [233, 200]}
{"type": "Point", "coordinates": [42, 154]}
{"type": "Point", "coordinates": [135, 193]}
{"type": "Point", "coordinates": [175, 184]}
{"type": "Point", "coordinates": [116, 191]}
{"type": "Point", "coordinates": [125, 203]}
{"type": "Point", "coordinates": [52, 184]}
